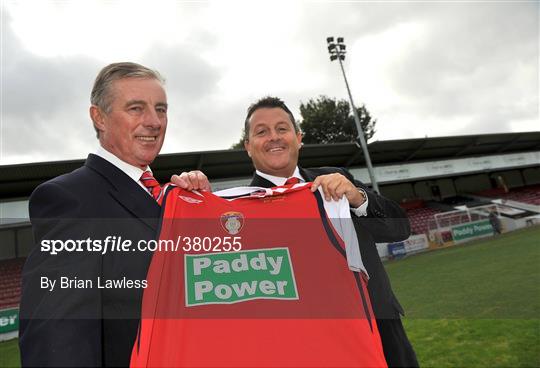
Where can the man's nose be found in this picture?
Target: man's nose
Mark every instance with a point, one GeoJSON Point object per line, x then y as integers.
{"type": "Point", "coordinates": [152, 119]}
{"type": "Point", "coordinates": [274, 136]}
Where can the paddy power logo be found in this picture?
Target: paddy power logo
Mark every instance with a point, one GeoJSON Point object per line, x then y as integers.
{"type": "Point", "coordinates": [232, 277]}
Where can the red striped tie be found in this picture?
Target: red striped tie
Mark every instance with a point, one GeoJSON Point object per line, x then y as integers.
{"type": "Point", "coordinates": [292, 180]}
{"type": "Point", "coordinates": [152, 185]}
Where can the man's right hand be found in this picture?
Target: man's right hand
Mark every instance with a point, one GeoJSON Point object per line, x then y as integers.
{"type": "Point", "coordinates": [335, 186]}
{"type": "Point", "coordinates": [193, 180]}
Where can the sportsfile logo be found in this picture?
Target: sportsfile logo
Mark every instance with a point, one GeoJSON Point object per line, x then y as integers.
{"type": "Point", "coordinates": [232, 277]}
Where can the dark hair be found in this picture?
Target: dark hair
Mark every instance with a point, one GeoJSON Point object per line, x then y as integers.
{"type": "Point", "coordinates": [267, 102]}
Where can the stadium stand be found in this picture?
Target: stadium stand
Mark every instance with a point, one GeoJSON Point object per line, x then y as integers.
{"type": "Point", "coordinates": [440, 173]}
{"type": "Point", "coordinates": [419, 214]}
{"type": "Point", "coordinates": [464, 200]}
{"type": "Point", "coordinates": [528, 194]}
{"type": "Point", "coordinates": [10, 287]}
{"type": "Point", "coordinates": [419, 218]}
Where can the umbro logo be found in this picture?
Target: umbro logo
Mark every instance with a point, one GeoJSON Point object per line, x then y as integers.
{"type": "Point", "coordinates": [190, 200]}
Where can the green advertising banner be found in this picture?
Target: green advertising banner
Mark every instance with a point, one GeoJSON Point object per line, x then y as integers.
{"type": "Point", "coordinates": [9, 320]}
{"type": "Point", "coordinates": [232, 277]}
{"type": "Point", "coordinates": [471, 230]}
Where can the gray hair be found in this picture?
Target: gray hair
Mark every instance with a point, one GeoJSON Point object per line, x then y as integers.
{"type": "Point", "coordinates": [102, 93]}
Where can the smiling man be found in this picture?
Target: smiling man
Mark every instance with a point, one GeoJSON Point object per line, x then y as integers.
{"type": "Point", "coordinates": [132, 126]}
{"type": "Point", "coordinates": [273, 141]}
{"type": "Point", "coordinates": [113, 196]}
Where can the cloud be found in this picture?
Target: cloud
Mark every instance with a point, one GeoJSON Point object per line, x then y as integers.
{"type": "Point", "coordinates": [450, 68]}
{"type": "Point", "coordinates": [472, 59]}
{"type": "Point", "coordinates": [49, 97]}
{"type": "Point", "coordinates": [41, 103]}
{"type": "Point", "coordinates": [421, 68]}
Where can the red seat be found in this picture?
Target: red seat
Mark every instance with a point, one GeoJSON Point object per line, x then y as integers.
{"type": "Point", "coordinates": [10, 282]}
{"type": "Point", "coordinates": [419, 218]}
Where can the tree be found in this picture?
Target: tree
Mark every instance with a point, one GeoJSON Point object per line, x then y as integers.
{"type": "Point", "coordinates": [239, 144]}
{"type": "Point", "coordinates": [327, 120]}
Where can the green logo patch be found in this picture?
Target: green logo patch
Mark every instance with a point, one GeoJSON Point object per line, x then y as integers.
{"type": "Point", "coordinates": [472, 230]}
{"type": "Point", "coordinates": [232, 277]}
{"type": "Point", "coordinates": [9, 320]}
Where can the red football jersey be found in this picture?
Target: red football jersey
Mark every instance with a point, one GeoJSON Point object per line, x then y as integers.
{"type": "Point", "coordinates": [259, 281]}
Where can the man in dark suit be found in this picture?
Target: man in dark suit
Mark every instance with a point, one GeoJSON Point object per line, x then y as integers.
{"type": "Point", "coordinates": [80, 305]}
{"type": "Point", "coordinates": [273, 140]}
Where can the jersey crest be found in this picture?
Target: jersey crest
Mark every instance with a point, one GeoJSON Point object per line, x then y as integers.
{"type": "Point", "coordinates": [232, 222]}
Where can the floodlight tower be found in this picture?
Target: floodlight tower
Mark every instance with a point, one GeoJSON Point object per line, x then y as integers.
{"type": "Point", "coordinates": [337, 51]}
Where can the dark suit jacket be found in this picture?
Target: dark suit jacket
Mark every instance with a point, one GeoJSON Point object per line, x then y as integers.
{"type": "Point", "coordinates": [385, 222]}
{"type": "Point", "coordinates": [90, 326]}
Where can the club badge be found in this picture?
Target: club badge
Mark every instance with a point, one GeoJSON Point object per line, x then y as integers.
{"type": "Point", "coordinates": [232, 222]}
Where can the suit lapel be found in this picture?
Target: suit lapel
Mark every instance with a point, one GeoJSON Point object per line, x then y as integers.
{"type": "Point", "coordinates": [259, 181]}
{"type": "Point", "coordinates": [126, 192]}
{"type": "Point", "coordinates": [307, 174]}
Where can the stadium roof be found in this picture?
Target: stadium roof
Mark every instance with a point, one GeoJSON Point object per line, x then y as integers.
{"type": "Point", "coordinates": [19, 180]}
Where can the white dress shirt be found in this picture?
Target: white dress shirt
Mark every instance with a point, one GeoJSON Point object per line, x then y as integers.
{"type": "Point", "coordinates": [133, 172]}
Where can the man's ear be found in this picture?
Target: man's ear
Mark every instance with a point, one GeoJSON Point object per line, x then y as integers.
{"type": "Point", "coordinates": [299, 136]}
{"type": "Point", "coordinates": [97, 118]}
{"type": "Point", "coordinates": [246, 146]}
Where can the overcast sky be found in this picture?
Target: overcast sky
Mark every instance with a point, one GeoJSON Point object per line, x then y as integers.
{"type": "Point", "coordinates": [421, 68]}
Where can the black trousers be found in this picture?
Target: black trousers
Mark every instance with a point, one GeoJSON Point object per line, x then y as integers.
{"type": "Point", "coordinates": [398, 351]}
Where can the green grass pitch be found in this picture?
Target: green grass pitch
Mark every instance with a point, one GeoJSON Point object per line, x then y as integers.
{"type": "Point", "coordinates": [472, 305]}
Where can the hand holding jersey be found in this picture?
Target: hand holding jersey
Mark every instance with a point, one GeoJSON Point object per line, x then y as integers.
{"type": "Point", "coordinates": [273, 141]}
{"type": "Point", "coordinates": [193, 180]}
{"type": "Point", "coordinates": [286, 298]}
{"type": "Point", "coordinates": [259, 320]}
{"type": "Point", "coordinates": [335, 186]}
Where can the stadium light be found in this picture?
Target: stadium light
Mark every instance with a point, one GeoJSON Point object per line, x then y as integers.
{"type": "Point", "coordinates": [337, 51]}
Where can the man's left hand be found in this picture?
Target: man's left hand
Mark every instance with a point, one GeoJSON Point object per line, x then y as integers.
{"type": "Point", "coordinates": [335, 185]}
{"type": "Point", "coordinates": [193, 180]}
